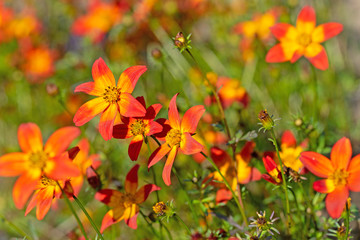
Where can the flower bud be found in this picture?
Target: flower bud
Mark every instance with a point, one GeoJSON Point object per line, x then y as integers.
{"type": "Point", "coordinates": [52, 89]}
{"type": "Point", "coordinates": [160, 208]}
{"type": "Point", "coordinates": [266, 120]}
{"type": "Point", "coordinates": [156, 53]}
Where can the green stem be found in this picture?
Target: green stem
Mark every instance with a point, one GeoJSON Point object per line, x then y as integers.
{"type": "Point", "coordinates": [298, 212]}
{"type": "Point", "coordinates": [168, 233]}
{"type": "Point", "coordinates": [283, 177]}
{"type": "Point", "coordinates": [16, 228]}
{"type": "Point", "coordinates": [308, 205]}
{"type": "Point", "coordinates": [88, 217]}
{"type": "Point", "coordinates": [316, 94]}
{"type": "Point", "coordinates": [347, 221]}
{"type": "Point", "coordinates": [150, 225]}
{"type": "Point", "coordinates": [183, 223]}
{"type": "Point", "coordinates": [73, 211]}
{"type": "Point", "coordinates": [242, 211]}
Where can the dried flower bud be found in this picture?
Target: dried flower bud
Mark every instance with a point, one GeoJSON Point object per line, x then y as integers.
{"type": "Point", "coordinates": [52, 89]}
{"type": "Point", "coordinates": [156, 53]}
{"type": "Point", "coordinates": [160, 208]}
{"type": "Point", "coordinates": [266, 120]}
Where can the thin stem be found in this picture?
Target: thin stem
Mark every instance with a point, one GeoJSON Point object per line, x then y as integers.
{"type": "Point", "coordinates": [73, 211]}
{"type": "Point", "coordinates": [308, 205]}
{"type": "Point", "coordinates": [298, 212]}
{"type": "Point", "coordinates": [168, 233]}
{"type": "Point", "coordinates": [283, 177]}
{"type": "Point", "coordinates": [150, 225]}
{"type": "Point", "coordinates": [316, 94]}
{"type": "Point", "coordinates": [242, 211]}
{"type": "Point", "coordinates": [88, 217]}
{"type": "Point", "coordinates": [16, 228]}
{"type": "Point", "coordinates": [347, 222]}
{"type": "Point", "coordinates": [183, 223]}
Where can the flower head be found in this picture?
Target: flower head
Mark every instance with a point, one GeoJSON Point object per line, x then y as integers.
{"type": "Point", "coordinates": [263, 224]}
{"type": "Point", "coordinates": [177, 135]}
{"type": "Point", "coordinates": [274, 174]}
{"type": "Point", "coordinates": [125, 205]}
{"type": "Point", "coordinates": [111, 98]}
{"type": "Point", "coordinates": [290, 151]}
{"type": "Point", "coordinates": [341, 173]}
{"type": "Point", "coordinates": [303, 40]}
{"type": "Point", "coordinates": [37, 160]}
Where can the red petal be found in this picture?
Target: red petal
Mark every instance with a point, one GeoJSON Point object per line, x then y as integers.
{"type": "Point", "coordinates": [324, 186]}
{"type": "Point", "coordinates": [152, 111]}
{"type": "Point", "coordinates": [191, 118]}
{"type": "Point", "coordinates": [269, 164]}
{"type": "Point", "coordinates": [154, 128]}
{"type": "Point", "coordinates": [223, 195]}
{"type": "Point", "coordinates": [341, 153]}
{"type": "Point", "coordinates": [122, 131]}
{"type": "Point", "coordinates": [23, 188]}
{"type": "Point", "coordinates": [158, 154]}
{"type": "Point", "coordinates": [109, 197]}
{"type": "Point", "coordinates": [276, 54]}
{"type": "Point", "coordinates": [320, 61]}
{"type": "Point", "coordinates": [89, 110]}
{"type": "Point", "coordinates": [102, 75]}
{"type": "Point", "coordinates": [13, 164]}
{"type": "Point", "coordinates": [335, 201]}
{"type": "Point", "coordinates": [143, 193]}
{"type": "Point", "coordinates": [219, 156]}
{"type": "Point", "coordinates": [189, 145]}
{"type": "Point", "coordinates": [29, 137]}
{"type": "Point", "coordinates": [326, 31]}
{"type": "Point", "coordinates": [255, 174]}
{"type": "Point", "coordinates": [60, 140]}
{"type": "Point", "coordinates": [306, 20]}
{"type": "Point", "coordinates": [89, 88]}
{"type": "Point", "coordinates": [131, 181]}
{"type": "Point", "coordinates": [141, 100]}
{"type": "Point", "coordinates": [108, 220]}
{"type": "Point", "coordinates": [288, 139]}
{"type": "Point", "coordinates": [129, 78]}
{"type": "Point", "coordinates": [316, 163]}
{"type": "Point", "coordinates": [168, 165]}
{"type": "Point", "coordinates": [283, 31]}
{"type": "Point", "coordinates": [130, 215]}
{"type": "Point", "coordinates": [135, 147]}
{"type": "Point", "coordinates": [173, 114]}
{"type": "Point", "coordinates": [61, 168]}
{"type": "Point", "coordinates": [130, 107]}
{"type": "Point", "coordinates": [269, 179]}
{"type": "Point", "coordinates": [106, 123]}
{"type": "Point", "coordinates": [247, 150]}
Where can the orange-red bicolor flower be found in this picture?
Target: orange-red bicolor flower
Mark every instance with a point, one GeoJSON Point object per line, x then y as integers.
{"type": "Point", "coordinates": [290, 151]}
{"type": "Point", "coordinates": [138, 128]}
{"type": "Point", "coordinates": [274, 174]}
{"type": "Point", "coordinates": [341, 172]}
{"type": "Point", "coordinates": [178, 135]}
{"type": "Point", "coordinates": [125, 205]}
{"type": "Point", "coordinates": [38, 160]}
{"type": "Point", "coordinates": [303, 40]}
{"type": "Point", "coordinates": [111, 98]}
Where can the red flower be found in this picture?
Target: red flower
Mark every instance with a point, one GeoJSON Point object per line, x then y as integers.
{"type": "Point", "coordinates": [341, 174]}
{"type": "Point", "coordinates": [274, 174]}
{"type": "Point", "coordinates": [303, 40]}
{"type": "Point", "coordinates": [138, 127]}
{"type": "Point", "coordinates": [178, 135]}
{"type": "Point", "coordinates": [111, 99]}
{"type": "Point", "coordinates": [125, 205]}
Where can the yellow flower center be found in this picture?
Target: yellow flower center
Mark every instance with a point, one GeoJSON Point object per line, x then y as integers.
{"type": "Point", "coordinates": [38, 159]}
{"type": "Point", "coordinates": [46, 182]}
{"type": "Point", "coordinates": [111, 94]}
{"type": "Point", "coordinates": [304, 39]}
{"type": "Point", "coordinates": [129, 199]}
{"type": "Point", "coordinates": [339, 177]}
{"type": "Point", "coordinates": [138, 127]}
{"type": "Point", "coordinates": [173, 138]}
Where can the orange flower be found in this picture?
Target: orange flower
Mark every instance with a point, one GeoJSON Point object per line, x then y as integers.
{"type": "Point", "coordinates": [304, 39]}
{"type": "Point", "coordinates": [6, 15]}
{"type": "Point", "coordinates": [290, 152]}
{"type": "Point", "coordinates": [341, 174]}
{"type": "Point", "coordinates": [111, 98]}
{"type": "Point", "coordinates": [125, 205]}
{"type": "Point", "coordinates": [178, 135]}
{"type": "Point", "coordinates": [38, 160]}
{"type": "Point", "coordinates": [24, 26]}
{"type": "Point", "coordinates": [274, 175]}
{"type": "Point", "coordinates": [138, 127]}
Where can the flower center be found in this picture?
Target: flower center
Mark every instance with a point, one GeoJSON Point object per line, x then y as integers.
{"type": "Point", "coordinates": [111, 94]}
{"type": "Point", "coordinates": [138, 127]}
{"type": "Point", "coordinates": [46, 182]}
{"type": "Point", "coordinates": [304, 39]}
{"type": "Point", "coordinates": [173, 138]}
{"type": "Point", "coordinates": [38, 159]}
{"type": "Point", "coordinates": [129, 199]}
{"type": "Point", "coordinates": [339, 177]}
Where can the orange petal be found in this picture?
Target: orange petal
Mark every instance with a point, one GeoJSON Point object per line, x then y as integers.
{"type": "Point", "coordinates": [76, 183]}
{"type": "Point", "coordinates": [220, 157]}
{"type": "Point", "coordinates": [288, 139]}
{"type": "Point", "coordinates": [60, 140]}
{"type": "Point", "coordinates": [341, 153]}
{"type": "Point", "coordinates": [316, 163]}
{"type": "Point", "coordinates": [191, 118]}
{"type": "Point", "coordinates": [319, 61]}
{"type": "Point", "coordinates": [335, 201]}
{"type": "Point", "coordinates": [284, 31]}
{"type": "Point", "coordinates": [129, 78]}
{"type": "Point", "coordinates": [131, 181]}
{"type": "Point", "coordinates": [23, 188]}
{"type": "Point", "coordinates": [281, 52]}
{"type": "Point", "coordinates": [106, 123]}
{"type": "Point", "coordinates": [45, 198]}
{"type": "Point", "coordinates": [102, 75]}
{"type": "Point", "coordinates": [130, 215]}
{"type": "Point", "coordinates": [158, 154]}
{"type": "Point", "coordinates": [135, 147]}
{"type": "Point", "coordinates": [109, 197]}
{"type": "Point", "coordinates": [90, 88]}
{"type": "Point", "coordinates": [354, 165]}
{"type": "Point", "coordinates": [61, 168]}
{"type": "Point", "coordinates": [13, 164]}
{"type": "Point", "coordinates": [32, 203]}
{"type": "Point", "coordinates": [223, 195]}
{"type": "Point", "coordinates": [130, 107]}
{"type": "Point", "coordinates": [143, 193]}
{"type": "Point", "coordinates": [108, 220]}
{"type": "Point", "coordinates": [326, 31]}
{"type": "Point", "coordinates": [306, 20]}
{"type": "Point", "coordinates": [173, 114]}
{"type": "Point", "coordinates": [89, 110]}
{"type": "Point", "coordinates": [168, 165]}
{"type": "Point", "coordinates": [324, 186]}
{"type": "Point", "coordinates": [189, 145]}
{"type": "Point", "coordinates": [29, 137]}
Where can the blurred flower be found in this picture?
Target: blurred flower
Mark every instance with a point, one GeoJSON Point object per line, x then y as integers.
{"type": "Point", "coordinates": [6, 15]}
{"type": "Point", "coordinates": [101, 17]}
{"type": "Point", "coordinates": [111, 98]}
{"type": "Point", "coordinates": [143, 9]}
{"type": "Point", "coordinates": [274, 174]}
{"type": "Point", "coordinates": [138, 128]}
{"type": "Point", "coordinates": [23, 26]}
{"type": "Point", "coordinates": [341, 174]}
{"type": "Point", "coordinates": [303, 40]}
{"type": "Point", "coordinates": [177, 134]}
{"type": "Point", "coordinates": [38, 160]}
{"type": "Point", "coordinates": [290, 152]}
{"type": "Point", "coordinates": [262, 224]}
{"type": "Point", "coordinates": [52, 89]}
{"type": "Point", "coordinates": [125, 205]}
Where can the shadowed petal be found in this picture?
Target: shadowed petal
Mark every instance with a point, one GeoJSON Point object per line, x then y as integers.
{"type": "Point", "coordinates": [168, 165]}
{"type": "Point", "coordinates": [336, 200]}
{"type": "Point", "coordinates": [158, 154]}
{"type": "Point", "coordinates": [135, 147]}
{"type": "Point", "coordinates": [102, 75]}
{"type": "Point", "coordinates": [316, 163]}
{"type": "Point", "coordinates": [189, 145]}
{"type": "Point", "coordinates": [129, 78]}
{"type": "Point", "coordinates": [60, 140]}
{"type": "Point", "coordinates": [173, 114]}
{"type": "Point", "coordinates": [29, 137]}
{"type": "Point", "coordinates": [143, 193]}
{"type": "Point", "coordinates": [13, 164]}
{"type": "Point", "coordinates": [326, 31]}
{"type": "Point", "coordinates": [324, 186]}
{"type": "Point", "coordinates": [130, 107]}
{"type": "Point", "coordinates": [155, 127]}
{"type": "Point", "coordinates": [152, 111]}
{"type": "Point", "coordinates": [191, 118]}
{"type": "Point", "coordinates": [122, 131]}
{"type": "Point", "coordinates": [341, 153]}
{"type": "Point", "coordinates": [131, 181]}
{"type": "Point", "coordinates": [106, 124]}
{"type": "Point", "coordinates": [23, 188]}
{"type": "Point", "coordinates": [89, 110]}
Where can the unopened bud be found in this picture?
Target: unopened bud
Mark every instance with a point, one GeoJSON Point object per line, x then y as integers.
{"type": "Point", "coordinates": [52, 89]}
{"type": "Point", "coordinates": [156, 53]}
{"type": "Point", "coordinates": [93, 178]}
{"type": "Point", "coordinates": [182, 42]}
{"type": "Point", "coordinates": [266, 120]}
